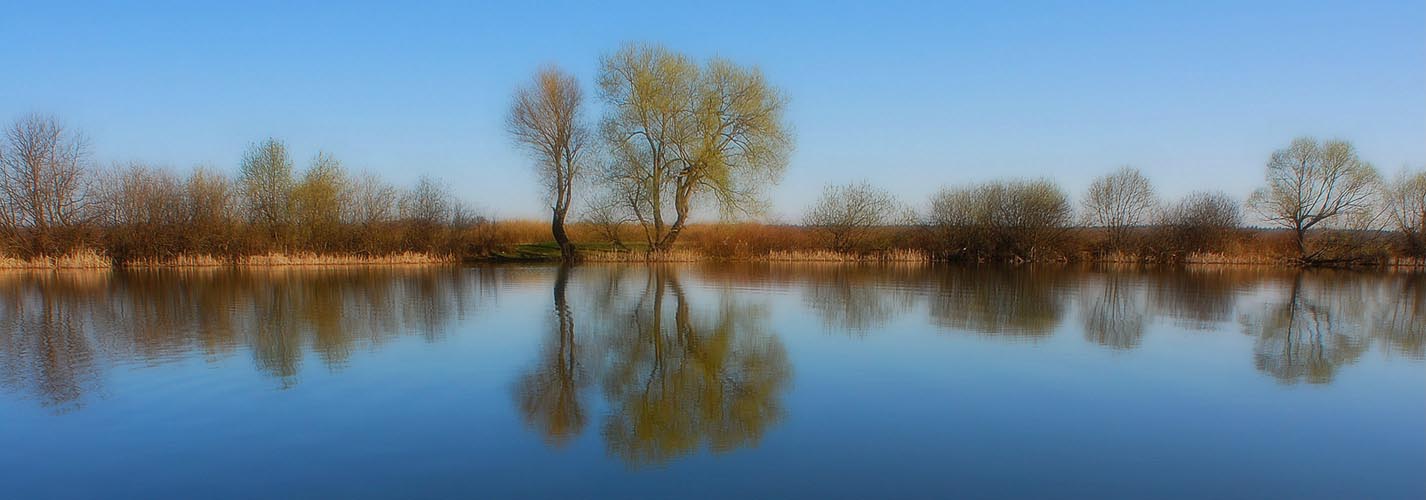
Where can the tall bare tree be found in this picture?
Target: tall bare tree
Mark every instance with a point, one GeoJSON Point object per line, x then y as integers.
{"type": "Point", "coordinates": [42, 173]}
{"type": "Point", "coordinates": [1118, 202]}
{"type": "Point", "coordinates": [678, 131]}
{"type": "Point", "coordinates": [547, 118]}
{"type": "Point", "coordinates": [846, 213]}
{"type": "Point", "coordinates": [1311, 183]}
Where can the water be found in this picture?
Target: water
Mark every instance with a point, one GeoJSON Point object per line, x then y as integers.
{"type": "Point", "coordinates": [712, 381]}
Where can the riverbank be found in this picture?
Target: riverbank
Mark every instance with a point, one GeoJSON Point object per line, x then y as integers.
{"type": "Point", "coordinates": [603, 253]}
{"type": "Point", "coordinates": [91, 259]}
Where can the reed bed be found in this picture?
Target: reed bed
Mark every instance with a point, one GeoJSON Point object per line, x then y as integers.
{"type": "Point", "coordinates": [897, 255]}
{"type": "Point", "coordinates": [315, 259]}
{"type": "Point", "coordinates": [78, 259]}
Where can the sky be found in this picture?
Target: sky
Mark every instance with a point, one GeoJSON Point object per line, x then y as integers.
{"type": "Point", "coordinates": [910, 96]}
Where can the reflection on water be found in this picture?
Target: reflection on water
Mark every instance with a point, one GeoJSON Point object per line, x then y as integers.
{"type": "Point", "coordinates": [55, 326]}
{"type": "Point", "coordinates": [660, 362]}
{"type": "Point", "coordinates": [676, 375]}
{"type": "Point", "coordinates": [1320, 322]}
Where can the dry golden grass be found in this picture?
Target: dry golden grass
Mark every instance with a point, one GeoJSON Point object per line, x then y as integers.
{"type": "Point", "coordinates": [78, 259]}
{"type": "Point", "coordinates": [313, 259]}
{"type": "Point", "coordinates": [898, 255]}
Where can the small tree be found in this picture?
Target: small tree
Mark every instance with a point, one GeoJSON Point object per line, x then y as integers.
{"type": "Point", "coordinates": [1118, 202]}
{"type": "Point", "coordinates": [1200, 221]}
{"type": "Point", "coordinates": [1015, 220]}
{"type": "Point", "coordinates": [1405, 199]}
{"type": "Point", "coordinates": [547, 119]}
{"type": "Point", "coordinates": [266, 181]}
{"type": "Point", "coordinates": [847, 213]}
{"type": "Point", "coordinates": [1311, 183]}
{"type": "Point", "coordinates": [43, 167]}
{"type": "Point", "coordinates": [317, 202]}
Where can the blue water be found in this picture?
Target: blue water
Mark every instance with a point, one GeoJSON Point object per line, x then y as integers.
{"type": "Point", "coordinates": [817, 381]}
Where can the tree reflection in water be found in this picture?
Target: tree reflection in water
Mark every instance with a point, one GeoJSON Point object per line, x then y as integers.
{"type": "Point", "coordinates": [549, 395]}
{"type": "Point", "coordinates": [676, 377]}
{"type": "Point", "coordinates": [1022, 304]}
{"type": "Point", "coordinates": [58, 329]}
{"type": "Point", "coordinates": [1311, 332]}
{"type": "Point", "coordinates": [1112, 309]}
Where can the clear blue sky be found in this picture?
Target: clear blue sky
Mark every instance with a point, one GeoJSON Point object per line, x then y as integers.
{"type": "Point", "coordinates": [912, 96]}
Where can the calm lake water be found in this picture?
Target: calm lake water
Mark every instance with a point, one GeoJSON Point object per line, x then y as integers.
{"type": "Point", "coordinates": [712, 381]}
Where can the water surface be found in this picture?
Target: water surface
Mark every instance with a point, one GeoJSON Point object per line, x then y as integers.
{"type": "Point", "coordinates": [712, 381]}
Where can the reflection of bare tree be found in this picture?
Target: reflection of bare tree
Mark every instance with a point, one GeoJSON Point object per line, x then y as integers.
{"type": "Point", "coordinates": [1112, 309]}
{"type": "Point", "coordinates": [702, 378]}
{"type": "Point", "coordinates": [57, 329]}
{"type": "Point", "coordinates": [1309, 336]}
{"type": "Point", "coordinates": [857, 298]}
{"type": "Point", "coordinates": [1198, 298]}
{"type": "Point", "coordinates": [44, 346]}
{"type": "Point", "coordinates": [1015, 303]}
{"type": "Point", "coordinates": [1400, 320]}
{"type": "Point", "coordinates": [549, 395]}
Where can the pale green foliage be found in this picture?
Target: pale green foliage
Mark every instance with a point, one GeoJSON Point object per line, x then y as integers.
{"type": "Point", "coordinates": [317, 201]}
{"type": "Point", "coordinates": [678, 131]}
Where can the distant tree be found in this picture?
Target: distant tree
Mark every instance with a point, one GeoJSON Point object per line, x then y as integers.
{"type": "Point", "coordinates": [267, 183]}
{"type": "Point", "coordinates": [141, 209]}
{"type": "Point", "coordinates": [1015, 220]}
{"type": "Point", "coordinates": [1311, 183]}
{"type": "Point", "coordinates": [317, 202]}
{"type": "Point", "coordinates": [425, 209]}
{"type": "Point", "coordinates": [212, 212]}
{"type": "Point", "coordinates": [1118, 202]}
{"type": "Point", "coordinates": [678, 132]}
{"type": "Point", "coordinates": [547, 118]}
{"type": "Point", "coordinates": [1201, 220]}
{"type": "Point", "coordinates": [847, 213]}
{"type": "Point", "coordinates": [1405, 199]}
{"type": "Point", "coordinates": [42, 182]}
{"type": "Point", "coordinates": [370, 201]}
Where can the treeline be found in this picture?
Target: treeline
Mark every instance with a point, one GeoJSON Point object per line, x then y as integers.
{"type": "Point", "coordinates": [677, 137]}
{"type": "Point", "coordinates": [54, 201]}
{"type": "Point", "coordinates": [1334, 208]}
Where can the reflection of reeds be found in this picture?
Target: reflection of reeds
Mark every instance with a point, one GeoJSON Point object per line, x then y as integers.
{"type": "Point", "coordinates": [690, 255]}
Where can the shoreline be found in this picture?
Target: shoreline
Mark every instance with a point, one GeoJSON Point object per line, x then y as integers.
{"type": "Point", "coordinates": [90, 260]}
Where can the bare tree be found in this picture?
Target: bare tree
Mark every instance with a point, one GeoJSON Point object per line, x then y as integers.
{"type": "Point", "coordinates": [42, 174]}
{"type": "Point", "coordinates": [1405, 199]}
{"type": "Point", "coordinates": [847, 213]}
{"type": "Point", "coordinates": [1017, 220]}
{"type": "Point", "coordinates": [547, 118]}
{"type": "Point", "coordinates": [266, 180]}
{"type": "Point", "coordinates": [370, 201]}
{"type": "Point", "coordinates": [678, 132]}
{"type": "Point", "coordinates": [1311, 183]}
{"type": "Point", "coordinates": [1201, 221]}
{"type": "Point", "coordinates": [1118, 202]}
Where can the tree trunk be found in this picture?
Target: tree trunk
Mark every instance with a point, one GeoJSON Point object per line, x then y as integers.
{"type": "Point", "coordinates": [561, 238]}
